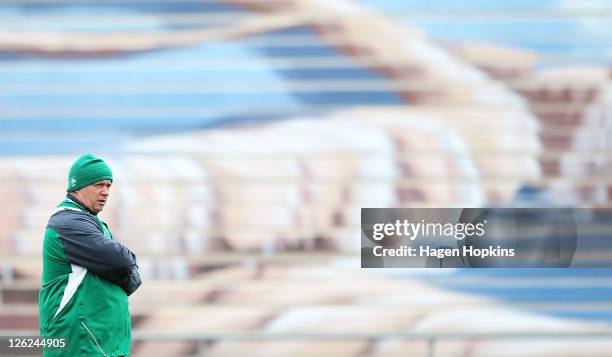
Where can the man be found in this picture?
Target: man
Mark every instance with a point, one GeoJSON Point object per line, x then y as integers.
{"type": "Point", "coordinates": [87, 276]}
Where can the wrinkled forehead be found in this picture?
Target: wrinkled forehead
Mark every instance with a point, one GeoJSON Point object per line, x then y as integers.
{"type": "Point", "coordinates": [107, 183]}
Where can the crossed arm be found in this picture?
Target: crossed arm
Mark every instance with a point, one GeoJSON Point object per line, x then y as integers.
{"type": "Point", "coordinates": [85, 245]}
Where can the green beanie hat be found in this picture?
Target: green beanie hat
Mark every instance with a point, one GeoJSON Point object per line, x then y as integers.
{"type": "Point", "coordinates": [87, 170]}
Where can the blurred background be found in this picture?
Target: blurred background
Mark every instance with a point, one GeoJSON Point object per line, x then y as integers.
{"type": "Point", "coordinates": [245, 136]}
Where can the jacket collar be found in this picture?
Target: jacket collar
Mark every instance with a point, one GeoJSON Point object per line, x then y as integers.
{"type": "Point", "coordinates": [74, 200]}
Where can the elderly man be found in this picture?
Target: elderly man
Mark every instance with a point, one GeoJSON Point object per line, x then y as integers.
{"type": "Point", "coordinates": [87, 276]}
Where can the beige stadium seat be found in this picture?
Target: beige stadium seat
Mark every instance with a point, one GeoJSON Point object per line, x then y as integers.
{"type": "Point", "coordinates": [303, 283]}
{"type": "Point", "coordinates": [256, 192]}
{"type": "Point", "coordinates": [287, 348]}
{"type": "Point", "coordinates": [576, 164]}
{"type": "Point", "coordinates": [21, 179]}
{"type": "Point", "coordinates": [467, 143]}
{"type": "Point", "coordinates": [479, 130]}
{"type": "Point", "coordinates": [198, 319]}
{"type": "Point", "coordinates": [591, 155]}
{"type": "Point", "coordinates": [22, 320]}
{"type": "Point", "coordinates": [28, 241]}
{"type": "Point", "coordinates": [417, 348]}
{"type": "Point", "coordinates": [157, 200]}
{"type": "Point", "coordinates": [426, 150]}
{"type": "Point", "coordinates": [563, 94]}
{"type": "Point", "coordinates": [27, 270]}
{"type": "Point", "coordinates": [158, 293]}
{"type": "Point", "coordinates": [496, 319]}
{"type": "Point", "coordinates": [563, 99]}
{"type": "Point", "coordinates": [547, 348]}
{"type": "Point", "coordinates": [506, 63]}
{"type": "Point", "coordinates": [350, 167]}
{"type": "Point", "coordinates": [283, 292]}
{"type": "Point", "coordinates": [324, 319]}
{"type": "Point", "coordinates": [582, 193]}
{"type": "Point", "coordinates": [590, 137]}
{"type": "Point", "coordinates": [37, 214]}
{"type": "Point", "coordinates": [388, 305]}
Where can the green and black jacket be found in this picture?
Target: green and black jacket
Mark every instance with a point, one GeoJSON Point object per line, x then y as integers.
{"type": "Point", "coordinates": [87, 277]}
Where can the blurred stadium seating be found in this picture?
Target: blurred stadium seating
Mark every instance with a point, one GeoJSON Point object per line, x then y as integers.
{"type": "Point", "coordinates": [245, 136]}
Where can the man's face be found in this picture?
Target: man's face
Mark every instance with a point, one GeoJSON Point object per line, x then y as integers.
{"type": "Point", "coordinates": [94, 196]}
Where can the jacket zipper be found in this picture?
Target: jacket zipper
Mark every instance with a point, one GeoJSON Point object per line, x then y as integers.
{"type": "Point", "coordinates": [92, 336]}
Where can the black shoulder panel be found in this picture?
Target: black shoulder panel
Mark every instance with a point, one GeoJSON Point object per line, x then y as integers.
{"type": "Point", "coordinates": [86, 245]}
